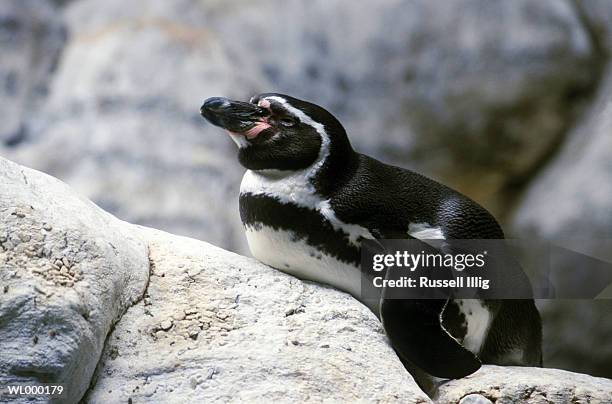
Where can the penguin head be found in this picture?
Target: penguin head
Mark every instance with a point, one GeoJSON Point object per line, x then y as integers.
{"type": "Point", "coordinates": [277, 132]}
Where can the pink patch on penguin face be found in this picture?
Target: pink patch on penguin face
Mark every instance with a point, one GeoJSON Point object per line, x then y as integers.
{"type": "Point", "coordinates": [259, 126]}
{"type": "Point", "coordinates": [255, 130]}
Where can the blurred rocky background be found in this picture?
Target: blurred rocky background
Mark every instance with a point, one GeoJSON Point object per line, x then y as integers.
{"type": "Point", "coordinates": [508, 102]}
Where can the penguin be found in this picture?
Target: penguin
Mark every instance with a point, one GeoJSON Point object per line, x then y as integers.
{"type": "Point", "coordinates": [308, 200]}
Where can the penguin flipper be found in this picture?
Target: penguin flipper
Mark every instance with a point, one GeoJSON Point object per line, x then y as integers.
{"type": "Point", "coordinates": [414, 327]}
{"type": "Point", "coordinates": [416, 333]}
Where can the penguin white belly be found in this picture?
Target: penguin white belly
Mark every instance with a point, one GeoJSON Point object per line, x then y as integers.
{"type": "Point", "coordinates": [283, 250]}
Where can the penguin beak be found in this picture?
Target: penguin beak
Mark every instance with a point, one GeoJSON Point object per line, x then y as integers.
{"type": "Point", "coordinates": [235, 116]}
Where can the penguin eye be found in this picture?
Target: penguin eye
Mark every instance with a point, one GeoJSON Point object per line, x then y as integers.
{"type": "Point", "coordinates": [287, 122]}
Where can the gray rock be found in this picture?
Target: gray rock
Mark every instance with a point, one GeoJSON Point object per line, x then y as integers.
{"type": "Point", "coordinates": [577, 334]}
{"type": "Point", "coordinates": [520, 385]}
{"type": "Point", "coordinates": [572, 199]}
{"type": "Point", "coordinates": [475, 399]}
{"type": "Point", "coordinates": [246, 347]}
{"type": "Point", "coordinates": [124, 109]}
{"type": "Point", "coordinates": [212, 325]}
{"type": "Point", "coordinates": [31, 38]}
{"type": "Point", "coordinates": [68, 271]}
{"type": "Point", "coordinates": [597, 16]}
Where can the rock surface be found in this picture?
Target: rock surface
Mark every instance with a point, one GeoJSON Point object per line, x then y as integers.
{"type": "Point", "coordinates": [597, 17]}
{"type": "Point", "coordinates": [572, 198]}
{"type": "Point", "coordinates": [218, 327]}
{"type": "Point", "coordinates": [585, 329]}
{"type": "Point", "coordinates": [510, 385]}
{"type": "Point", "coordinates": [68, 271]}
{"type": "Point", "coordinates": [32, 35]}
{"type": "Point", "coordinates": [123, 108]}
{"type": "Point", "coordinates": [211, 325]}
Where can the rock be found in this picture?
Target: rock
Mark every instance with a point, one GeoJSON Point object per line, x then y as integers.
{"type": "Point", "coordinates": [576, 332]}
{"type": "Point", "coordinates": [31, 38]}
{"type": "Point", "coordinates": [53, 324]}
{"type": "Point", "coordinates": [133, 85]}
{"type": "Point", "coordinates": [475, 399]}
{"type": "Point", "coordinates": [166, 325]}
{"type": "Point", "coordinates": [572, 199]}
{"type": "Point", "coordinates": [235, 330]}
{"type": "Point", "coordinates": [247, 351]}
{"type": "Point", "coordinates": [421, 84]}
{"type": "Point", "coordinates": [597, 17]}
{"type": "Point", "coordinates": [511, 384]}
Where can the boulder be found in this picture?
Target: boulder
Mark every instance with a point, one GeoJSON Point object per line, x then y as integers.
{"type": "Point", "coordinates": [577, 332]}
{"type": "Point", "coordinates": [32, 35]}
{"type": "Point", "coordinates": [124, 109]}
{"type": "Point", "coordinates": [218, 327]}
{"type": "Point", "coordinates": [572, 199]}
{"type": "Point", "coordinates": [193, 322]}
{"type": "Point", "coordinates": [597, 19]}
{"type": "Point", "coordinates": [212, 324]}
{"type": "Point", "coordinates": [68, 271]}
{"type": "Point", "coordinates": [520, 385]}
{"type": "Point", "coordinates": [572, 196]}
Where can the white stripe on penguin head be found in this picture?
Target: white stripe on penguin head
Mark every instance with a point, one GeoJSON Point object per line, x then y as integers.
{"type": "Point", "coordinates": [325, 141]}
{"type": "Point", "coordinates": [285, 185]}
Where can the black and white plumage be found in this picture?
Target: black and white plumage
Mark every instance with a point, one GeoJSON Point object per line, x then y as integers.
{"type": "Point", "coordinates": [308, 199]}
